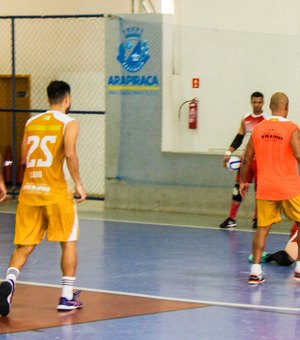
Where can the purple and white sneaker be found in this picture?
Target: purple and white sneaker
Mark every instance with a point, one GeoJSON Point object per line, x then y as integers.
{"type": "Point", "coordinates": [7, 289]}
{"type": "Point", "coordinates": [65, 304]}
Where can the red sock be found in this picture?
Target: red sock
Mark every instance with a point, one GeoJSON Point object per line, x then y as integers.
{"type": "Point", "coordinates": [234, 209]}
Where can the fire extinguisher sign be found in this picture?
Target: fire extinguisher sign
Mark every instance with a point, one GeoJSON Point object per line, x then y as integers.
{"type": "Point", "coordinates": [195, 83]}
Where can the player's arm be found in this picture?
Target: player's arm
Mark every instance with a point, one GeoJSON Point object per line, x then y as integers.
{"type": "Point", "coordinates": [3, 191]}
{"type": "Point", "coordinates": [70, 139]}
{"type": "Point", "coordinates": [236, 143]}
{"type": "Point", "coordinates": [295, 144]}
{"type": "Point", "coordinates": [245, 166]}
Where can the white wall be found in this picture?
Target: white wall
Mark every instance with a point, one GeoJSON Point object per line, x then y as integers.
{"type": "Point", "coordinates": [235, 48]}
{"type": "Point", "coordinates": [268, 16]}
{"type": "Point", "coordinates": [60, 7]}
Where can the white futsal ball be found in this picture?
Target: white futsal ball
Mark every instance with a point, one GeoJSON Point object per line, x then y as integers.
{"type": "Point", "coordinates": [234, 163]}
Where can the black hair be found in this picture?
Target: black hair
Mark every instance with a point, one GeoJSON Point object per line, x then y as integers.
{"type": "Point", "coordinates": [256, 95]}
{"type": "Point", "coordinates": [57, 90]}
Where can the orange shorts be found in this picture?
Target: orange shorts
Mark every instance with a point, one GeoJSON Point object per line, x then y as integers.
{"type": "Point", "coordinates": [59, 221]}
{"type": "Point", "coordinates": [269, 212]}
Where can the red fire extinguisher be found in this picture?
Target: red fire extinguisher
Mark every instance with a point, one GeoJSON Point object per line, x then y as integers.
{"type": "Point", "coordinates": [193, 112]}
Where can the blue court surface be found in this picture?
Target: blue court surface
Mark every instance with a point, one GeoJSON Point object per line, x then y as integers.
{"type": "Point", "coordinates": [202, 265]}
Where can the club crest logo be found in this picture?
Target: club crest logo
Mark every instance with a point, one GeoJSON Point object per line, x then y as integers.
{"type": "Point", "coordinates": [133, 51]}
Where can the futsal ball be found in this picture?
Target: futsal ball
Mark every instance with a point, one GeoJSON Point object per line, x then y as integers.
{"type": "Point", "coordinates": [233, 163]}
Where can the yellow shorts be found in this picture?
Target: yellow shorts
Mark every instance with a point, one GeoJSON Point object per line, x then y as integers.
{"type": "Point", "coordinates": [59, 221]}
{"type": "Point", "coordinates": [269, 212]}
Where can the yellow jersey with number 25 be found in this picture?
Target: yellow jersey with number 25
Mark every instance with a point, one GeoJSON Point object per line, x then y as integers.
{"type": "Point", "coordinates": [45, 181]}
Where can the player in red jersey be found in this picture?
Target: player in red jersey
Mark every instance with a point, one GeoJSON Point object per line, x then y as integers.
{"type": "Point", "coordinates": [247, 124]}
{"type": "Point", "coordinates": [289, 255]}
{"type": "Point", "coordinates": [284, 257]}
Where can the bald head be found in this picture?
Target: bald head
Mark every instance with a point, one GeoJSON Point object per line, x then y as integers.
{"type": "Point", "coordinates": [279, 104]}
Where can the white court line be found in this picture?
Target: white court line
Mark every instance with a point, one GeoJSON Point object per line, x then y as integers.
{"type": "Point", "coordinates": [179, 225]}
{"type": "Point", "coordinates": [210, 303]}
{"type": "Point", "coordinates": [7, 212]}
{"type": "Point", "coordinates": [150, 223]}
{"type": "Point", "coordinates": [164, 224]}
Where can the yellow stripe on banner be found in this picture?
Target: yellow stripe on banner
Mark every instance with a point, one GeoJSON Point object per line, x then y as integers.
{"type": "Point", "coordinates": [43, 128]}
{"type": "Point", "coordinates": [133, 88]}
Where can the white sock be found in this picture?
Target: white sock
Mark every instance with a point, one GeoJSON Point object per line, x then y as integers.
{"type": "Point", "coordinates": [256, 269]}
{"type": "Point", "coordinates": [298, 266]}
{"type": "Point", "coordinates": [67, 287]}
{"type": "Point", "coordinates": [12, 274]}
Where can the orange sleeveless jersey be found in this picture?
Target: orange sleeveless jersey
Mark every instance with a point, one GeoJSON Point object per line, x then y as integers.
{"type": "Point", "coordinates": [277, 168]}
{"type": "Point", "coordinates": [44, 179]}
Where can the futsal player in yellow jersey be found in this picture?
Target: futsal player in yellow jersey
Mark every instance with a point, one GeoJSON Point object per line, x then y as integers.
{"type": "Point", "coordinates": [46, 205]}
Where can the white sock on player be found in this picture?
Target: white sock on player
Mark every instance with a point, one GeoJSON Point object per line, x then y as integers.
{"type": "Point", "coordinates": [256, 269]}
{"type": "Point", "coordinates": [67, 287]}
{"type": "Point", "coordinates": [12, 274]}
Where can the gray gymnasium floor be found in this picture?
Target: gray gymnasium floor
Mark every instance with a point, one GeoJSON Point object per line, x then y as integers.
{"type": "Point", "coordinates": [149, 276]}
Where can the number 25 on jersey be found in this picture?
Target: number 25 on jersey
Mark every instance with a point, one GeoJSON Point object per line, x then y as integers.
{"type": "Point", "coordinates": [42, 143]}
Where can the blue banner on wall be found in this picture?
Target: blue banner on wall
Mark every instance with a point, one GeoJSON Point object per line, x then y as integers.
{"type": "Point", "coordinates": [133, 53]}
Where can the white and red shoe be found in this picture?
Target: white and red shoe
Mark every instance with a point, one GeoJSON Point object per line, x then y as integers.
{"type": "Point", "coordinates": [255, 279]}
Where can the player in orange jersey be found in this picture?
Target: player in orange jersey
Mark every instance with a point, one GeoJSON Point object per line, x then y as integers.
{"type": "Point", "coordinates": [46, 204]}
{"type": "Point", "coordinates": [275, 143]}
{"type": "Point", "coordinates": [2, 184]}
{"type": "Point", "coordinates": [247, 124]}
